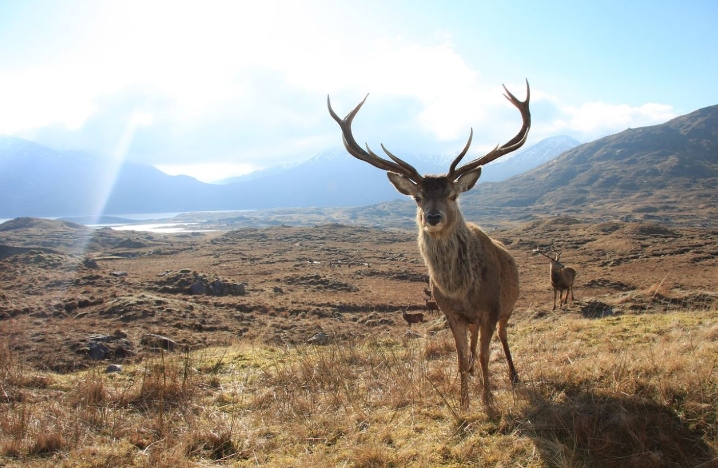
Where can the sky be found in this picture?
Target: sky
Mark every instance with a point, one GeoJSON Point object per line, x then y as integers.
{"type": "Point", "coordinates": [215, 89]}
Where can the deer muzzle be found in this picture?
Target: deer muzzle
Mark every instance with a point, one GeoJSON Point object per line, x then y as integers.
{"type": "Point", "coordinates": [433, 218]}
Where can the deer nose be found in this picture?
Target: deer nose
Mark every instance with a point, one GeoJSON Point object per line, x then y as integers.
{"type": "Point", "coordinates": [433, 218]}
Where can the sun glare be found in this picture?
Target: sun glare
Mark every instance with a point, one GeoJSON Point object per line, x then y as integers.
{"type": "Point", "coordinates": [209, 172]}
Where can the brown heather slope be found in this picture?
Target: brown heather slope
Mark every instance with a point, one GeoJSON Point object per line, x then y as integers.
{"type": "Point", "coordinates": [284, 285]}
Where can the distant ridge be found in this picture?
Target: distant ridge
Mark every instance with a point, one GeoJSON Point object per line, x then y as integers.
{"type": "Point", "coordinates": [39, 181]}
{"type": "Point", "coordinates": [666, 173]}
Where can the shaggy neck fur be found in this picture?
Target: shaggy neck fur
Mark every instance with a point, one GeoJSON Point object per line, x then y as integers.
{"type": "Point", "coordinates": [448, 258]}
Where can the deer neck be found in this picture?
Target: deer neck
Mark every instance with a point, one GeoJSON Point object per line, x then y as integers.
{"type": "Point", "coordinates": [449, 258]}
{"type": "Point", "coordinates": [556, 272]}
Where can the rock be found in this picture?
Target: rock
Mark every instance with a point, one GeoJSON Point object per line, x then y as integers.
{"type": "Point", "coordinates": [320, 339]}
{"type": "Point", "coordinates": [130, 244]}
{"type": "Point", "coordinates": [97, 350]}
{"type": "Point", "coordinates": [158, 342]}
{"type": "Point", "coordinates": [118, 274]}
{"type": "Point", "coordinates": [90, 263]}
{"type": "Point", "coordinates": [99, 338]}
{"type": "Point", "coordinates": [197, 288]}
{"type": "Point", "coordinates": [239, 289]}
{"type": "Point", "coordinates": [113, 368]}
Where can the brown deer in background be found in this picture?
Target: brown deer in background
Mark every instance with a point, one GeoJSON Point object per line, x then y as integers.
{"type": "Point", "coordinates": [412, 318]}
{"type": "Point", "coordinates": [474, 279]}
{"type": "Point", "coordinates": [431, 305]}
{"type": "Point", "coordinates": [561, 277]}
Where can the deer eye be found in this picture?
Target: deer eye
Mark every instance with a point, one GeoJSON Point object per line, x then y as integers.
{"type": "Point", "coordinates": [417, 199]}
{"type": "Point", "coordinates": [453, 197]}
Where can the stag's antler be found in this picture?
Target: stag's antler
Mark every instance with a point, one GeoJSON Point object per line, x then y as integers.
{"type": "Point", "coordinates": [554, 258]}
{"type": "Point", "coordinates": [398, 166]}
{"type": "Point", "coordinates": [539, 251]}
{"type": "Point", "coordinates": [406, 169]}
{"type": "Point", "coordinates": [511, 145]}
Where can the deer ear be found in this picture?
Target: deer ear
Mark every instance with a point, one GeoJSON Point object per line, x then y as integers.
{"type": "Point", "coordinates": [402, 184]}
{"type": "Point", "coordinates": [468, 180]}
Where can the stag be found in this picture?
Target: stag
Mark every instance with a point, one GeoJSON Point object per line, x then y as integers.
{"type": "Point", "coordinates": [474, 279]}
{"type": "Point", "coordinates": [561, 277]}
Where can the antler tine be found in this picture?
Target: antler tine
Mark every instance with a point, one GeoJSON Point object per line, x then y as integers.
{"type": "Point", "coordinates": [512, 145]}
{"type": "Point", "coordinates": [398, 166]}
{"type": "Point", "coordinates": [544, 254]}
{"type": "Point", "coordinates": [462, 154]}
{"type": "Point", "coordinates": [402, 163]}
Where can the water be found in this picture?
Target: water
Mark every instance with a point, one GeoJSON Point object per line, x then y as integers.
{"type": "Point", "coordinates": [166, 228]}
{"type": "Point", "coordinates": [175, 222]}
{"type": "Point", "coordinates": [160, 222]}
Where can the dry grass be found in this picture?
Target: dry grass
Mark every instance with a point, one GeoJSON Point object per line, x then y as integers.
{"type": "Point", "coordinates": [625, 391]}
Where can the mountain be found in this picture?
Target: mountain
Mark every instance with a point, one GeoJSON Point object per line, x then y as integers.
{"type": "Point", "coordinates": [661, 172]}
{"type": "Point", "coordinates": [526, 159]}
{"type": "Point", "coordinates": [333, 178]}
{"type": "Point", "coordinates": [258, 174]}
{"type": "Point", "coordinates": [522, 161]}
{"type": "Point", "coordinates": [330, 179]}
{"type": "Point", "coordinates": [39, 181]}
{"type": "Point", "coordinates": [666, 172]}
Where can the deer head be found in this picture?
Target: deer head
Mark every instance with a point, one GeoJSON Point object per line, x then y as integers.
{"type": "Point", "coordinates": [554, 259]}
{"type": "Point", "coordinates": [435, 196]}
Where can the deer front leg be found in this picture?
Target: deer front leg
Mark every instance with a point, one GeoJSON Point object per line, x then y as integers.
{"type": "Point", "coordinates": [487, 331]}
{"type": "Point", "coordinates": [474, 331]}
{"type": "Point", "coordinates": [458, 329]}
{"type": "Point", "coordinates": [554, 299]}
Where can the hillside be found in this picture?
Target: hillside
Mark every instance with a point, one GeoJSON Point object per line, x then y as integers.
{"type": "Point", "coordinates": [665, 173]}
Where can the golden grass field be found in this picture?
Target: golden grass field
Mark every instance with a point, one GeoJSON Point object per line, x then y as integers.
{"type": "Point", "coordinates": [629, 391]}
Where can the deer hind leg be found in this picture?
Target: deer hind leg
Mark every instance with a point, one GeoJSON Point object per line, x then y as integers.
{"type": "Point", "coordinates": [458, 329]}
{"type": "Point", "coordinates": [503, 336]}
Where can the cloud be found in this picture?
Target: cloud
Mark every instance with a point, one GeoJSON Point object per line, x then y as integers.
{"type": "Point", "coordinates": [595, 119]}
{"type": "Point", "coordinates": [207, 172]}
{"type": "Point", "coordinates": [243, 84]}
